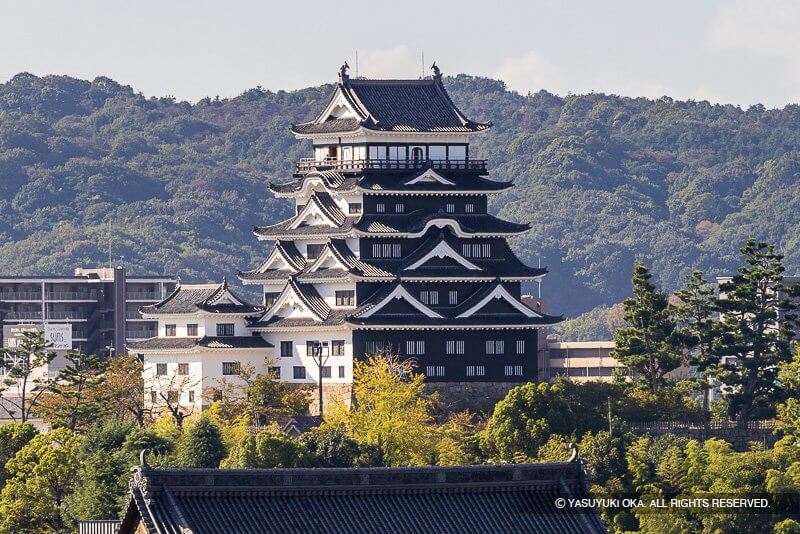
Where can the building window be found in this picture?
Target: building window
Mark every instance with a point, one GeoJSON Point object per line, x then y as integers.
{"type": "Point", "coordinates": [454, 347]}
{"type": "Point", "coordinates": [495, 346]}
{"type": "Point", "coordinates": [191, 396]}
{"type": "Point", "coordinates": [453, 297]}
{"type": "Point", "coordinates": [275, 372]}
{"type": "Point", "coordinates": [313, 250]}
{"type": "Point", "coordinates": [326, 371]}
{"type": "Point", "coordinates": [300, 208]}
{"type": "Point", "coordinates": [225, 329]}
{"type": "Point", "coordinates": [341, 371]}
{"type": "Point", "coordinates": [153, 397]}
{"type": "Point", "coordinates": [429, 297]}
{"type": "Point", "coordinates": [476, 250]}
{"type": "Point", "coordinates": [183, 368]}
{"type": "Point", "coordinates": [386, 250]}
{"type": "Point", "coordinates": [270, 298]}
{"type": "Point", "coordinates": [191, 330]}
{"type": "Point", "coordinates": [417, 153]}
{"type": "Point", "coordinates": [231, 368]}
{"type": "Point", "coordinates": [299, 372]}
{"type": "Point", "coordinates": [337, 347]}
{"type": "Point", "coordinates": [374, 347]}
{"type": "Point", "coordinates": [415, 348]}
{"type": "Point", "coordinates": [450, 208]}
{"type": "Point", "coordinates": [513, 370]}
{"type": "Point", "coordinates": [161, 369]}
{"type": "Point", "coordinates": [434, 370]}
{"type": "Point", "coordinates": [476, 370]}
{"type": "Point", "coordinates": [520, 346]}
{"type": "Point", "coordinates": [172, 396]}
{"type": "Point", "coordinates": [170, 330]}
{"type": "Point", "coordinates": [399, 208]}
{"type": "Point", "coordinates": [286, 349]}
{"type": "Point", "coordinates": [346, 298]}
{"type": "Point", "coordinates": [380, 208]}
{"type": "Point", "coordinates": [469, 208]}
{"type": "Point", "coordinates": [354, 208]}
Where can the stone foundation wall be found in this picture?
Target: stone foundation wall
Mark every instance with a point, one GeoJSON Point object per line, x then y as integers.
{"type": "Point", "coordinates": [330, 394]}
{"type": "Point", "coordinates": [475, 396]}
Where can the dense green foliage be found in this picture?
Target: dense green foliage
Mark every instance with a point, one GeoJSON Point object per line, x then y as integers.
{"type": "Point", "coordinates": [603, 179]}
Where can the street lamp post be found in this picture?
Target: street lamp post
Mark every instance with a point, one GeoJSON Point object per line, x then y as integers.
{"type": "Point", "coordinates": [321, 353]}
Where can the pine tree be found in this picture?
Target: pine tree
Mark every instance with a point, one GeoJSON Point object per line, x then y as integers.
{"type": "Point", "coordinates": [25, 378]}
{"type": "Point", "coordinates": [646, 346]}
{"type": "Point", "coordinates": [756, 328]}
{"type": "Point", "coordinates": [77, 397]}
{"type": "Point", "coordinates": [697, 327]}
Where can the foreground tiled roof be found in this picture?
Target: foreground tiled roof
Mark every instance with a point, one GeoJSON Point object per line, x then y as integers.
{"type": "Point", "coordinates": [189, 343]}
{"type": "Point", "coordinates": [333, 180]}
{"type": "Point", "coordinates": [397, 106]}
{"type": "Point", "coordinates": [511, 498]}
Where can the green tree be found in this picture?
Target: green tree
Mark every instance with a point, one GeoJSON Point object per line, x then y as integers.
{"type": "Point", "coordinates": [104, 471]}
{"type": "Point", "coordinates": [124, 388]}
{"type": "Point", "coordinates": [77, 397]}
{"type": "Point", "coordinates": [201, 446]}
{"type": "Point", "coordinates": [697, 328]}
{"type": "Point", "coordinates": [391, 410]}
{"type": "Point", "coordinates": [645, 344]}
{"type": "Point", "coordinates": [524, 420]}
{"type": "Point", "coordinates": [269, 448]}
{"type": "Point", "coordinates": [42, 475]}
{"type": "Point", "coordinates": [26, 377]}
{"type": "Point", "coordinates": [13, 436]}
{"type": "Point", "coordinates": [756, 327]}
{"type": "Point", "coordinates": [330, 447]}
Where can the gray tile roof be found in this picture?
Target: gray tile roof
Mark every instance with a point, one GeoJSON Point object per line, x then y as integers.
{"type": "Point", "coordinates": [416, 220]}
{"type": "Point", "coordinates": [211, 342]}
{"type": "Point", "coordinates": [396, 106]}
{"type": "Point", "coordinates": [512, 498]}
{"type": "Point", "coordinates": [203, 297]}
{"type": "Point", "coordinates": [332, 180]}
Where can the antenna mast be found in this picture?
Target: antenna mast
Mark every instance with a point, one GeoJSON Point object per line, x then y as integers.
{"type": "Point", "coordinates": [422, 72]}
{"type": "Point", "coordinates": [539, 281]}
{"type": "Point", "coordinates": [110, 261]}
{"type": "Point", "coordinates": [356, 63]}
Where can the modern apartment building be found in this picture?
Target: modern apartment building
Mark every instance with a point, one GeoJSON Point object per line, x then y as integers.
{"type": "Point", "coordinates": [94, 311]}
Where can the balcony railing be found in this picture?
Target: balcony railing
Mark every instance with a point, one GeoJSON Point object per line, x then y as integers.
{"type": "Point", "coordinates": [143, 295]}
{"type": "Point", "coordinates": [23, 315]}
{"type": "Point", "coordinates": [71, 295]}
{"type": "Point", "coordinates": [67, 314]}
{"type": "Point", "coordinates": [308, 164]}
{"type": "Point", "coordinates": [141, 334]}
{"type": "Point", "coordinates": [20, 295]}
{"type": "Point", "coordinates": [133, 315]}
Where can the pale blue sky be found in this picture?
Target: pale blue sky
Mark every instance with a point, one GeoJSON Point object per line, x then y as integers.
{"type": "Point", "coordinates": [730, 51]}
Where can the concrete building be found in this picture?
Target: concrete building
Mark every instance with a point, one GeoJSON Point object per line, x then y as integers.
{"type": "Point", "coordinates": [582, 361]}
{"type": "Point", "coordinates": [94, 311]}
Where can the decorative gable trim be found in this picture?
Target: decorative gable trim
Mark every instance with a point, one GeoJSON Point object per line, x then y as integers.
{"type": "Point", "coordinates": [340, 101]}
{"type": "Point", "coordinates": [429, 176]}
{"type": "Point", "coordinates": [500, 292]}
{"type": "Point", "coordinates": [290, 297]}
{"type": "Point", "coordinates": [312, 210]}
{"type": "Point", "coordinates": [443, 250]}
{"type": "Point", "coordinates": [277, 261]}
{"type": "Point", "coordinates": [400, 292]}
{"type": "Point", "coordinates": [327, 255]}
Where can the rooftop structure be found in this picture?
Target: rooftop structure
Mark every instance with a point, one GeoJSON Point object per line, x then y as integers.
{"type": "Point", "coordinates": [479, 499]}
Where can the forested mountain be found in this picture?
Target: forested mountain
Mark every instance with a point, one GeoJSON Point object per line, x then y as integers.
{"type": "Point", "coordinates": [602, 179]}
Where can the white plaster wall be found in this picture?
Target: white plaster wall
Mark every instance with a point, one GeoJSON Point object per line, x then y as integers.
{"type": "Point", "coordinates": [206, 325]}
{"type": "Point", "coordinates": [300, 358]}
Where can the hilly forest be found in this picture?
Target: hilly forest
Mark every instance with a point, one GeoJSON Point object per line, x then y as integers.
{"type": "Point", "coordinates": [603, 180]}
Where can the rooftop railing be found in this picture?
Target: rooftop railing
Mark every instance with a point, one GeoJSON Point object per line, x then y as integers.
{"type": "Point", "coordinates": [23, 315]}
{"type": "Point", "coordinates": [309, 164]}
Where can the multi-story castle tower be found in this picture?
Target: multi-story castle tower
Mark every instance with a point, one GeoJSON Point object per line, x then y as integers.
{"type": "Point", "coordinates": [391, 248]}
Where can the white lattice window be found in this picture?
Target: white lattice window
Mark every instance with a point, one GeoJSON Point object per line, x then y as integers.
{"type": "Point", "coordinates": [380, 208]}
{"type": "Point", "coordinates": [453, 297]}
{"type": "Point", "coordinates": [490, 346]}
{"type": "Point", "coordinates": [434, 370]}
{"type": "Point", "coordinates": [476, 370]}
{"type": "Point", "coordinates": [499, 346]}
{"type": "Point", "coordinates": [454, 347]}
{"type": "Point", "coordinates": [399, 208]}
{"type": "Point", "coordinates": [469, 208]}
{"type": "Point", "coordinates": [487, 250]}
{"type": "Point", "coordinates": [429, 297]}
{"type": "Point", "coordinates": [450, 208]}
{"type": "Point", "coordinates": [396, 250]}
{"type": "Point", "coordinates": [513, 370]}
{"type": "Point", "coordinates": [520, 346]}
{"type": "Point", "coordinates": [376, 250]}
{"type": "Point", "coordinates": [415, 348]}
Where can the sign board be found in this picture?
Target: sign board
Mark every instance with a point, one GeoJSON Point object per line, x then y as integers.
{"type": "Point", "coordinates": [57, 336]}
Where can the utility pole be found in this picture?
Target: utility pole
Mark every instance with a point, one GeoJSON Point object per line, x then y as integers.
{"type": "Point", "coordinates": [320, 354]}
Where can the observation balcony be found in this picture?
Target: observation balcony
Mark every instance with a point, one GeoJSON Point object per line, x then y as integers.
{"type": "Point", "coordinates": [72, 295]}
{"type": "Point", "coordinates": [356, 165]}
